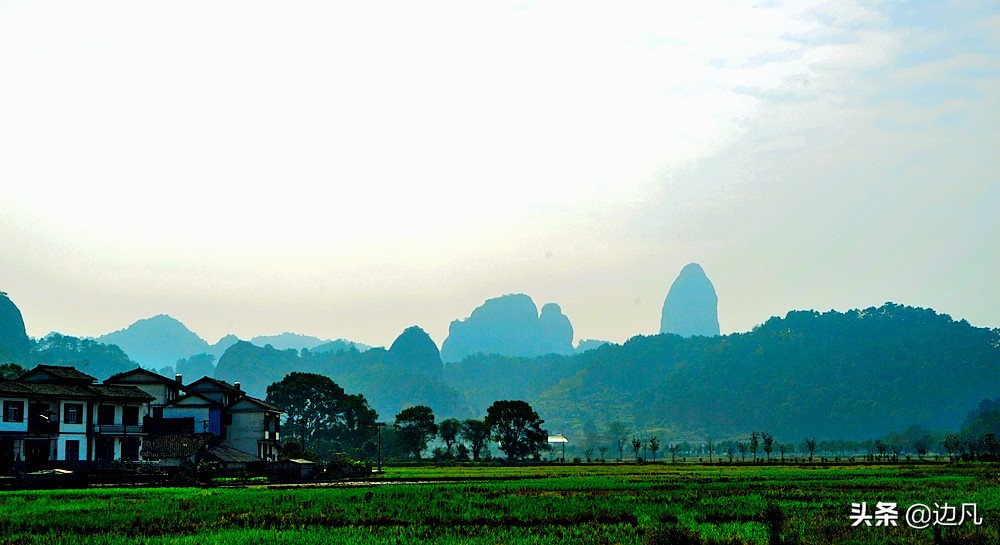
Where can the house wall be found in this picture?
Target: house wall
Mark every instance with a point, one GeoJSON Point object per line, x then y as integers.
{"type": "Point", "coordinates": [73, 432]}
{"type": "Point", "coordinates": [73, 428]}
{"type": "Point", "coordinates": [61, 446]}
{"type": "Point", "coordinates": [200, 415]}
{"type": "Point", "coordinates": [158, 391]}
{"type": "Point", "coordinates": [246, 430]}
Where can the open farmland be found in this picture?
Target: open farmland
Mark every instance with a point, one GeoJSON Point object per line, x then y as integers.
{"type": "Point", "coordinates": [652, 503]}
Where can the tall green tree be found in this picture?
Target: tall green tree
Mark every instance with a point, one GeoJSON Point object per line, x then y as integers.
{"type": "Point", "coordinates": [654, 445]}
{"type": "Point", "coordinates": [448, 429]}
{"type": "Point", "coordinates": [517, 429]}
{"type": "Point", "coordinates": [811, 447]}
{"type": "Point", "coordinates": [618, 432]}
{"type": "Point", "coordinates": [415, 427]}
{"type": "Point", "coordinates": [768, 440]}
{"type": "Point", "coordinates": [477, 433]}
{"type": "Point", "coordinates": [320, 412]}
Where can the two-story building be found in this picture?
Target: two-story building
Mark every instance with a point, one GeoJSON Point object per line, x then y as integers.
{"type": "Point", "coordinates": [59, 414]}
{"type": "Point", "coordinates": [210, 407]}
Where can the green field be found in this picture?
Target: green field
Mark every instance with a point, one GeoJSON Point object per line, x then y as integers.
{"type": "Point", "coordinates": [652, 503]}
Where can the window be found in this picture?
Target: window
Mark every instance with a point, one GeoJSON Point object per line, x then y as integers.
{"type": "Point", "coordinates": [13, 411]}
{"type": "Point", "coordinates": [106, 415]}
{"type": "Point", "coordinates": [73, 413]}
{"type": "Point", "coordinates": [73, 450]}
{"type": "Point", "coordinates": [130, 416]}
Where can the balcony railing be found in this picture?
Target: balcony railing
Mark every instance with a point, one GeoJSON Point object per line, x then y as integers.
{"type": "Point", "coordinates": [116, 429]}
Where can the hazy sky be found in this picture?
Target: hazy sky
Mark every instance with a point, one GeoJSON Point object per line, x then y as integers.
{"type": "Point", "coordinates": [348, 169]}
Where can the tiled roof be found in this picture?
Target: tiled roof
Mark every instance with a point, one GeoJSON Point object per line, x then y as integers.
{"type": "Point", "coordinates": [59, 372]}
{"type": "Point", "coordinates": [173, 446]}
{"type": "Point", "coordinates": [226, 454]}
{"type": "Point", "coordinates": [121, 392]}
{"type": "Point", "coordinates": [140, 372]}
{"type": "Point", "coordinates": [224, 386]}
{"type": "Point", "coordinates": [75, 391]}
{"type": "Point", "coordinates": [15, 388]}
{"type": "Point", "coordinates": [258, 402]}
{"type": "Point", "coordinates": [195, 396]}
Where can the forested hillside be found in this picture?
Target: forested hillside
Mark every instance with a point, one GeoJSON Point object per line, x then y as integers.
{"type": "Point", "coordinates": [857, 374]}
{"type": "Point", "coordinates": [378, 374]}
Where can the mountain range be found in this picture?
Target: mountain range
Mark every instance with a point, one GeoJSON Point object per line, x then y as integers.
{"type": "Point", "coordinates": [857, 374]}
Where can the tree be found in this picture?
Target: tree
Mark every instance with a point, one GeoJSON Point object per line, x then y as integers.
{"type": "Point", "coordinates": [711, 449]}
{"type": "Point", "coordinates": [743, 450]}
{"type": "Point", "coordinates": [477, 433]}
{"type": "Point", "coordinates": [782, 448]}
{"type": "Point", "coordinates": [754, 444]}
{"type": "Point", "coordinates": [416, 427]}
{"type": "Point", "coordinates": [292, 448]}
{"type": "Point", "coordinates": [952, 444]}
{"type": "Point", "coordinates": [618, 432]}
{"type": "Point", "coordinates": [729, 451]}
{"type": "Point", "coordinates": [449, 429]}
{"type": "Point", "coordinates": [198, 365]}
{"type": "Point", "coordinates": [654, 445]}
{"type": "Point", "coordinates": [673, 448]}
{"type": "Point", "coordinates": [517, 429]}
{"type": "Point", "coordinates": [768, 440]}
{"type": "Point", "coordinates": [811, 447]}
{"type": "Point", "coordinates": [602, 449]}
{"type": "Point", "coordinates": [318, 409]}
{"type": "Point", "coordinates": [636, 445]}
{"type": "Point", "coordinates": [880, 447]}
{"type": "Point", "coordinates": [11, 371]}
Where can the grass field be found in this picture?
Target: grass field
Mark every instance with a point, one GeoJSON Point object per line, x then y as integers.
{"type": "Point", "coordinates": [652, 503]}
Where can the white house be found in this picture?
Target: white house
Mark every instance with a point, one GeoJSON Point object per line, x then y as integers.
{"type": "Point", "coordinates": [58, 414]}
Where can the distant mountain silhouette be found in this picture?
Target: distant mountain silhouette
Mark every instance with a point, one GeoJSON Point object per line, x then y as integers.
{"type": "Point", "coordinates": [340, 345]}
{"type": "Point", "coordinates": [14, 341]}
{"type": "Point", "coordinates": [157, 342]}
{"type": "Point", "coordinates": [387, 382]}
{"type": "Point", "coordinates": [414, 352]}
{"type": "Point", "coordinates": [288, 340]}
{"type": "Point", "coordinates": [255, 367]}
{"type": "Point", "coordinates": [511, 326]}
{"type": "Point", "coordinates": [691, 307]}
{"type": "Point", "coordinates": [589, 344]}
{"type": "Point", "coordinates": [223, 344]}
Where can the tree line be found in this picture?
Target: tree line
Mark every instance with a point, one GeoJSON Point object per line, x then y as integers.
{"type": "Point", "coordinates": [322, 420]}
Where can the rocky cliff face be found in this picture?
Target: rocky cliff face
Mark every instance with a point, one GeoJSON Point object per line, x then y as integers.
{"type": "Point", "coordinates": [557, 331]}
{"type": "Point", "coordinates": [691, 307]}
{"type": "Point", "coordinates": [14, 342]}
{"type": "Point", "coordinates": [509, 325]}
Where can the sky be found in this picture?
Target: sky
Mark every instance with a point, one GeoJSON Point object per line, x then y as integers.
{"type": "Point", "coordinates": [350, 169]}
